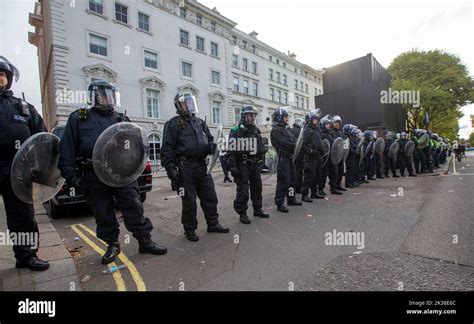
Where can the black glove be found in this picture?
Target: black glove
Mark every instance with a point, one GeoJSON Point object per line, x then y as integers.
{"type": "Point", "coordinates": [234, 172]}
{"type": "Point", "coordinates": [212, 148]}
{"type": "Point", "coordinates": [173, 174]}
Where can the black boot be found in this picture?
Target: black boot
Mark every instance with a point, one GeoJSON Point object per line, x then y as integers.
{"type": "Point", "coordinates": [340, 188]}
{"type": "Point", "coordinates": [350, 186]}
{"type": "Point", "coordinates": [412, 175]}
{"type": "Point", "coordinates": [316, 195]}
{"type": "Point", "coordinates": [396, 176]}
{"type": "Point", "coordinates": [218, 228]}
{"type": "Point", "coordinates": [259, 212]}
{"type": "Point", "coordinates": [387, 176]}
{"type": "Point", "coordinates": [305, 198]}
{"type": "Point", "coordinates": [335, 192]}
{"type": "Point", "coordinates": [34, 263]}
{"type": "Point", "coordinates": [148, 246]}
{"type": "Point", "coordinates": [113, 250]}
{"type": "Point", "coordinates": [321, 192]}
{"type": "Point", "coordinates": [244, 219]}
{"type": "Point", "coordinates": [282, 208]}
{"type": "Point", "coordinates": [294, 202]}
{"type": "Point", "coordinates": [192, 236]}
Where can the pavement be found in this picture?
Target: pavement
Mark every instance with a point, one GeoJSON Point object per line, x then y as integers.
{"type": "Point", "coordinates": [417, 235]}
{"type": "Point", "coordinates": [62, 274]}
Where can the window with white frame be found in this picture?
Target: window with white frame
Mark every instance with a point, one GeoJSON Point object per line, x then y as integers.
{"type": "Point", "coordinates": [297, 99]}
{"type": "Point", "coordinates": [200, 44]}
{"type": "Point", "coordinates": [213, 26]}
{"type": "Point", "coordinates": [278, 95]}
{"type": "Point", "coordinates": [296, 84]}
{"type": "Point", "coordinates": [182, 12]}
{"type": "Point", "coordinates": [153, 103]}
{"type": "Point", "coordinates": [255, 89]}
{"type": "Point", "coordinates": [155, 146]}
{"type": "Point", "coordinates": [143, 22]}
{"type": "Point", "coordinates": [254, 67]}
{"type": "Point", "coordinates": [254, 49]}
{"type": "Point", "coordinates": [272, 94]}
{"type": "Point", "coordinates": [245, 64]}
{"type": "Point", "coordinates": [199, 20]}
{"type": "Point", "coordinates": [96, 6]}
{"type": "Point", "coordinates": [215, 78]}
{"type": "Point", "coordinates": [214, 49]}
{"type": "Point", "coordinates": [235, 60]}
{"type": "Point", "coordinates": [278, 77]}
{"type": "Point", "coordinates": [285, 98]}
{"type": "Point", "coordinates": [97, 45]}
{"type": "Point", "coordinates": [186, 70]}
{"type": "Point", "coordinates": [306, 88]}
{"type": "Point", "coordinates": [270, 74]}
{"type": "Point", "coordinates": [216, 112]}
{"type": "Point", "coordinates": [236, 84]}
{"type": "Point", "coordinates": [121, 13]}
{"type": "Point", "coordinates": [301, 86]}
{"type": "Point", "coordinates": [184, 37]}
{"type": "Point", "coordinates": [307, 104]}
{"type": "Point", "coordinates": [246, 86]}
{"type": "Point", "coordinates": [237, 115]}
{"type": "Point", "coordinates": [151, 60]}
{"type": "Point", "coordinates": [285, 79]}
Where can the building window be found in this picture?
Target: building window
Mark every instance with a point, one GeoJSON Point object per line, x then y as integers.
{"type": "Point", "coordinates": [297, 99]}
{"type": "Point", "coordinates": [246, 86]}
{"type": "Point", "coordinates": [98, 45]}
{"type": "Point", "coordinates": [285, 79]}
{"type": "Point", "coordinates": [235, 60]}
{"type": "Point", "coordinates": [307, 104]}
{"type": "Point", "coordinates": [270, 74]}
{"type": "Point", "coordinates": [182, 12]}
{"type": "Point", "coordinates": [301, 86]}
{"type": "Point", "coordinates": [278, 77]}
{"type": "Point", "coordinates": [244, 44]}
{"type": "Point", "coordinates": [285, 98]}
{"type": "Point", "coordinates": [121, 13]}
{"type": "Point", "coordinates": [279, 95]}
{"type": "Point", "coordinates": [236, 84]}
{"type": "Point", "coordinates": [155, 145]}
{"type": "Point", "coordinates": [215, 78]}
{"type": "Point", "coordinates": [213, 26]}
{"type": "Point", "coordinates": [254, 49]}
{"type": "Point", "coordinates": [237, 115]}
{"type": "Point", "coordinates": [272, 94]}
{"type": "Point", "coordinates": [96, 6]}
{"type": "Point", "coordinates": [187, 70]}
{"type": "Point", "coordinates": [184, 37]}
{"type": "Point", "coordinates": [306, 86]}
{"type": "Point", "coordinates": [302, 102]}
{"type": "Point", "coordinates": [151, 60]}
{"type": "Point", "coordinates": [254, 67]}
{"type": "Point", "coordinates": [199, 20]}
{"type": "Point", "coordinates": [278, 61]}
{"type": "Point", "coordinates": [200, 43]}
{"type": "Point", "coordinates": [143, 22]}
{"type": "Point", "coordinates": [234, 40]}
{"type": "Point", "coordinates": [245, 64]}
{"type": "Point", "coordinates": [215, 49]}
{"type": "Point", "coordinates": [255, 89]}
{"type": "Point", "coordinates": [216, 112]}
{"type": "Point", "coordinates": [270, 58]}
{"type": "Point", "coordinates": [296, 84]}
{"type": "Point", "coordinates": [153, 103]}
{"type": "Point", "coordinates": [284, 64]}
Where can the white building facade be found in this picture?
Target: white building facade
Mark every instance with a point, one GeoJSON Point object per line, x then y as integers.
{"type": "Point", "coordinates": [151, 49]}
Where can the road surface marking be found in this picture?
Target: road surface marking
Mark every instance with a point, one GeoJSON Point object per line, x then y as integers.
{"type": "Point", "coordinates": [119, 282]}
{"type": "Point", "coordinates": [130, 266]}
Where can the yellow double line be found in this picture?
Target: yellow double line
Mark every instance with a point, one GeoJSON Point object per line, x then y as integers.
{"type": "Point", "coordinates": [119, 282]}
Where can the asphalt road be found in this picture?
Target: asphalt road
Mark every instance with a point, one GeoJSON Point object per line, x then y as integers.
{"type": "Point", "coordinates": [417, 235]}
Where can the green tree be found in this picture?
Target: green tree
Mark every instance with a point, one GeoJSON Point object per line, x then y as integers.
{"type": "Point", "coordinates": [444, 84]}
{"type": "Point", "coordinates": [471, 139]}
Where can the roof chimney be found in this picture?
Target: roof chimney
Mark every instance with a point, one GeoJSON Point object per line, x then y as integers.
{"type": "Point", "coordinates": [253, 34]}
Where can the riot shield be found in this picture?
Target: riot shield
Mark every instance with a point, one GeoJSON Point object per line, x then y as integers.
{"type": "Point", "coordinates": [299, 143]}
{"type": "Point", "coordinates": [326, 151]}
{"type": "Point", "coordinates": [219, 140]}
{"type": "Point", "coordinates": [337, 151]}
{"type": "Point", "coordinates": [347, 145]}
{"type": "Point", "coordinates": [423, 142]}
{"type": "Point", "coordinates": [379, 146]}
{"type": "Point", "coordinates": [409, 148]}
{"type": "Point", "coordinates": [393, 150]}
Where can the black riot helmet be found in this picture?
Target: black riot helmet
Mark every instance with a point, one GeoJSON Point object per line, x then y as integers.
{"type": "Point", "coordinates": [104, 95]}
{"type": "Point", "coordinates": [246, 113]}
{"type": "Point", "coordinates": [185, 104]}
{"type": "Point", "coordinates": [10, 70]}
{"type": "Point", "coordinates": [279, 114]}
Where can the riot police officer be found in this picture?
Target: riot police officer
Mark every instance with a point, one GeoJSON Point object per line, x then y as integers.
{"type": "Point", "coordinates": [403, 159]}
{"type": "Point", "coordinates": [312, 149]}
{"type": "Point", "coordinates": [389, 163]}
{"type": "Point", "coordinates": [377, 159]}
{"type": "Point", "coordinates": [186, 143]}
{"type": "Point", "coordinates": [18, 121]}
{"type": "Point", "coordinates": [246, 162]}
{"type": "Point", "coordinates": [299, 164]}
{"type": "Point", "coordinates": [421, 157]}
{"type": "Point", "coordinates": [284, 142]}
{"type": "Point", "coordinates": [369, 162]}
{"type": "Point", "coordinates": [328, 170]}
{"type": "Point", "coordinates": [350, 179]}
{"type": "Point", "coordinates": [338, 132]}
{"type": "Point", "coordinates": [83, 128]}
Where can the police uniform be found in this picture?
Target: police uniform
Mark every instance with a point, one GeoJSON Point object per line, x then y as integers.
{"type": "Point", "coordinates": [404, 161]}
{"type": "Point", "coordinates": [329, 170]}
{"type": "Point", "coordinates": [284, 142]}
{"type": "Point", "coordinates": [389, 163]}
{"type": "Point", "coordinates": [247, 167]}
{"type": "Point", "coordinates": [312, 148]}
{"type": "Point", "coordinates": [83, 128]}
{"type": "Point", "coordinates": [340, 167]}
{"type": "Point", "coordinates": [299, 161]}
{"type": "Point", "coordinates": [18, 121]}
{"type": "Point", "coordinates": [186, 144]}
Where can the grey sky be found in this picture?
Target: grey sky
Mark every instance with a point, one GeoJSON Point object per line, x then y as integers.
{"type": "Point", "coordinates": [322, 33]}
